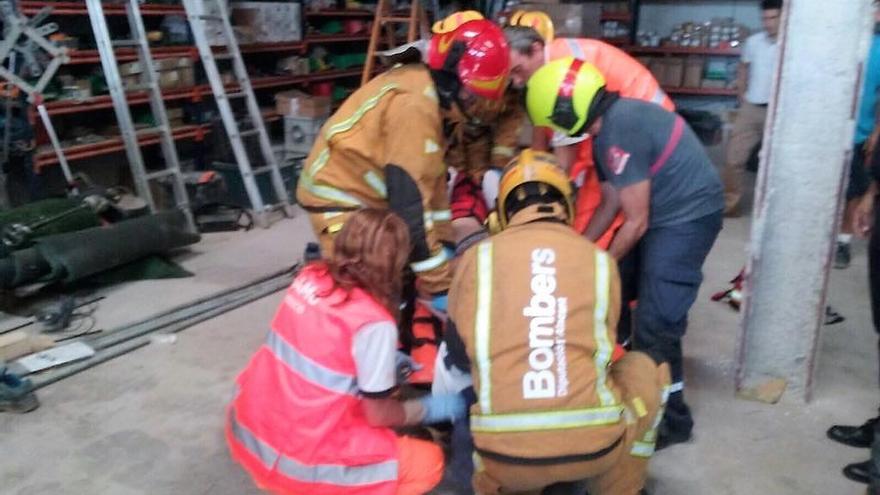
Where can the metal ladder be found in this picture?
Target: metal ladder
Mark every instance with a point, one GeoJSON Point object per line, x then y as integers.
{"type": "Point", "coordinates": [201, 14]}
{"type": "Point", "coordinates": [150, 83]}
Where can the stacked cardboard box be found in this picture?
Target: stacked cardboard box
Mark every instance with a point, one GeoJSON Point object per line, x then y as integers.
{"type": "Point", "coordinates": [177, 72]}
{"type": "Point", "coordinates": [295, 103]}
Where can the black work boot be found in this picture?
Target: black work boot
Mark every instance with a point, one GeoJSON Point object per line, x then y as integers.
{"type": "Point", "coordinates": [16, 394]}
{"type": "Point", "coordinates": [860, 472]}
{"type": "Point", "coordinates": [854, 436]}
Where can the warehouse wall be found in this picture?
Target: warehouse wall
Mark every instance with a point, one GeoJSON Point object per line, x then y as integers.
{"type": "Point", "coordinates": [663, 15]}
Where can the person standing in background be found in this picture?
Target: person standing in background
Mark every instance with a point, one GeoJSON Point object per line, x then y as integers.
{"type": "Point", "coordinates": [755, 74]}
{"type": "Point", "coordinates": [859, 179]}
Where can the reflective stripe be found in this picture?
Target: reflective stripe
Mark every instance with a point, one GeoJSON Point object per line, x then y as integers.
{"type": "Point", "coordinates": [659, 97]}
{"type": "Point", "coordinates": [358, 114]}
{"type": "Point", "coordinates": [319, 162]}
{"type": "Point", "coordinates": [604, 347]}
{"type": "Point", "coordinates": [332, 214]}
{"type": "Point", "coordinates": [481, 325]}
{"type": "Point", "coordinates": [339, 474]}
{"type": "Point", "coordinates": [641, 449]}
{"type": "Point", "coordinates": [676, 387]}
{"type": "Point", "coordinates": [431, 93]}
{"type": "Point", "coordinates": [334, 474]}
{"type": "Point", "coordinates": [308, 369]}
{"type": "Point", "coordinates": [376, 182]}
{"type": "Point", "coordinates": [555, 420]}
{"type": "Point", "coordinates": [258, 448]}
{"type": "Point", "coordinates": [505, 151]}
{"type": "Point", "coordinates": [439, 215]}
{"type": "Point", "coordinates": [328, 192]}
{"type": "Point", "coordinates": [431, 263]}
{"type": "Point", "coordinates": [575, 48]}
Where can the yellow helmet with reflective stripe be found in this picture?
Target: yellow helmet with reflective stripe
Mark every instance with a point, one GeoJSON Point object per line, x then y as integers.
{"type": "Point", "coordinates": [535, 19]}
{"type": "Point", "coordinates": [533, 177]}
{"type": "Point", "coordinates": [560, 94]}
{"type": "Point", "coordinates": [452, 21]}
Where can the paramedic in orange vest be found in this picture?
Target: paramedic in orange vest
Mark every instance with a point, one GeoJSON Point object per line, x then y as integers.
{"type": "Point", "coordinates": [384, 147]}
{"type": "Point", "coordinates": [533, 317]}
{"type": "Point", "coordinates": [314, 408]}
{"type": "Point", "coordinates": [532, 44]}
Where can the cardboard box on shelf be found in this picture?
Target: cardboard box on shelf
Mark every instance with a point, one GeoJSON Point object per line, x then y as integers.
{"type": "Point", "coordinates": [693, 72]}
{"type": "Point", "coordinates": [175, 72]}
{"type": "Point", "coordinates": [658, 69]}
{"type": "Point", "coordinates": [175, 116]}
{"type": "Point", "coordinates": [295, 103]}
{"type": "Point", "coordinates": [673, 74]}
{"type": "Point", "coordinates": [293, 65]}
{"type": "Point", "coordinates": [268, 22]}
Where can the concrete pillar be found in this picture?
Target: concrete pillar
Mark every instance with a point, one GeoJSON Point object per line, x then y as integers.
{"type": "Point", "coordinates": [807, 145]}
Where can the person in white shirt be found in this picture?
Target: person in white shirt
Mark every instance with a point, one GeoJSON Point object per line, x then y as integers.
{"type": "Point", "coordinates": [755, 73]}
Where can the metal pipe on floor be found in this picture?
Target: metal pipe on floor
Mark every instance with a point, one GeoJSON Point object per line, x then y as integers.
{"type": "Point", "coordinates": [126, 339]}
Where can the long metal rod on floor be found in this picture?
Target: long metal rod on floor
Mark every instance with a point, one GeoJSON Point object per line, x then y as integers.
{"type": "Point", "coordinates": [126, 339]}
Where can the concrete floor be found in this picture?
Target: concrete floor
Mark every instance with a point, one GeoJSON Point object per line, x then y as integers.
{"type": "Point", "coordinates": [151, 422]}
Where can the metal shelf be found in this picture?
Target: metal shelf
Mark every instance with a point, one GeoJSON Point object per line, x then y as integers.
{"type": "Point", "coordinates": [340, 13]}
{"type": "Point", "coordinates": [700, 91]}
{"type": "Point", "coordinates": [682, 50]}
{"type": "Point", "coordinates": [335, 38]}
{"type": "Point", "coordinates": [616, 16]}
{"type": "Point", "coordinates": [31, 7]}
{"type": "Point", "coordinates": [115, 144]}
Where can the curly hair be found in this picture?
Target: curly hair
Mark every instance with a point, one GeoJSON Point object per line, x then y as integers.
{"type": "Point", "coordinates": [370, 253]}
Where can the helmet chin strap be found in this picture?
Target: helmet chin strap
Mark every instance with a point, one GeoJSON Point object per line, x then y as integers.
{"type": "Point", "coordinates": [601, 103]}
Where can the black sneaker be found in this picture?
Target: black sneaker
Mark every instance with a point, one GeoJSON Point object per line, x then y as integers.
{"type": "Point", "coordinates": [854, 436]}
{"type": "Point", "coordinates": [842, 256]}
{"type": "Point", "coordinates": [16, 394]}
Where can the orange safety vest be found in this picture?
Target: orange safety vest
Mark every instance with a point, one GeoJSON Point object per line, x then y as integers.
{"type": "Point", "coordinates": [426, 329]}
{"type": "Point", "coordinates": [623, 73]}
{"type": "Point", "coordinates": [296, 423]}
{"type": "Point", "coordinates": [631, 79]}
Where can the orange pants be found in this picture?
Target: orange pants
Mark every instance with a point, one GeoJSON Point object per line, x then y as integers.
{"type": "Point", "coordinates": [590, 194]}
{"type": "Point", "coordinates": [420, 466]}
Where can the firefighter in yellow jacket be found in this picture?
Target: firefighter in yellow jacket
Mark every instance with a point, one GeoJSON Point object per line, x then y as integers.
{"type": "Point", "coordinates": [384, 147]}
{"type": "Point", "coordinates": [533, 315]}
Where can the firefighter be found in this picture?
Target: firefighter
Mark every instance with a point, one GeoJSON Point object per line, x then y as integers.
{"type": "Point", "coordinates": [479, 147]}
{"type": "Point", "coordinates": [314, 408]}
{"type": "Point", "coordinates": [533, 315]}
{"type": "Point", "coordinates": [384, 147]}
{"type": "Point", "coordinates": [532, 44]}
{"type": "Point", "coordinates": [669, 192]}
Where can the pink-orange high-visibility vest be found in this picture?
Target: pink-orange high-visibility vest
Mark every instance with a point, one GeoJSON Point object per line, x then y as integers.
{"type": "Point", "coordinates": [296, 423]}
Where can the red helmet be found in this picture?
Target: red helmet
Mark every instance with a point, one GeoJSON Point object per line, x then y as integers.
{"type": "Point", "coordinates": [476, 53]}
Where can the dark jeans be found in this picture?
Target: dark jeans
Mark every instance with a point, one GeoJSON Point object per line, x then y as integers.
{"type": "Point", "coordinates": [670, 264]}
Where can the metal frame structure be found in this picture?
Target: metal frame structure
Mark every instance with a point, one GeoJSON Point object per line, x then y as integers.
{"type": "Point", "coordinates": [200, 13]}
{"type": "Point", "coordinates": [149, 81]}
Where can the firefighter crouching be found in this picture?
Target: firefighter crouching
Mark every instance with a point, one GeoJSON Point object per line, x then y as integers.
{"type": "Point", "coordinates": [532, 316]}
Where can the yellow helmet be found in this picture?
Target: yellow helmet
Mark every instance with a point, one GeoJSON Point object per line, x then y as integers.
{"type": "Point", "coordinates": [535, 19]}
{"type": "Point", "coordinates": [561, 93]}
{"type": "Point", "coordinates": [540, 170]}
{"type": "Point", "coordinates": [452, 21]}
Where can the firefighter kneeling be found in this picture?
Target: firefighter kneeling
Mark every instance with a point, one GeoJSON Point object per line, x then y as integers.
{"type": "Point", "coordinates": [533, 317]}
